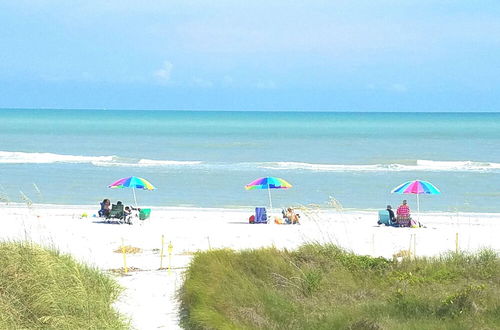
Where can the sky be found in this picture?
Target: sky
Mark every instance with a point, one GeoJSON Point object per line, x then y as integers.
{"type": "Point", "coordinates": [385, 55]}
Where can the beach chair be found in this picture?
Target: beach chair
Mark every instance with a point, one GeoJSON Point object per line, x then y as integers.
{"type": "Point", "coordinates": [144, 214]}
{"type": "Point", "coordinates": [260, 215]}
{"type": "Point", "coordinates": [384, 219]}
{"type": "Point", "coordinates": [116, 212]}
{"type": "Point", "coordinates": [403, 221]}
{"type": "Point", "coordinates": [102, 212]}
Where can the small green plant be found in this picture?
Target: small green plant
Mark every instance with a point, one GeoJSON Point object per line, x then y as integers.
{"type": "Point", "coordinates": [462, 301]}
{"type": "Point", "coordinates": [26, 199]}
{"type": "Point", "coordinates": [39, 193]}
{"type": "Point", "coordinates": [312, 281]}
{"type": "Point", "coordinates": [4, 198]}
{"type": "Point", "coordinates": [408, 303]}
{"type": "Point", "coordinates": [364, 324]}
{"type": "Point", "coordinates": [333, 202]}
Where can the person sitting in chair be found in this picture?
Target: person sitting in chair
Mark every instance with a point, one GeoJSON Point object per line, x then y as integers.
{"type": "Point", "coordinates": [285, 217]}
{"type": "Point", "coordinates": [105, 208]}
{"type": "Point", "coordinates": [291, 216]}
{"type": "Point", "coordinates": [295, 220]}
{"type": "Point", "coordinates": [127, 215]}
{"type": "Point", "coordinates": [391, 213]}
{"type": "Point", "coordinates": [403, 214]}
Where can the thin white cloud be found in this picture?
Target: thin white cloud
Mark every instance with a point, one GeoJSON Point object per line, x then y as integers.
{"type": "Point", "coordinates": [164, 73]}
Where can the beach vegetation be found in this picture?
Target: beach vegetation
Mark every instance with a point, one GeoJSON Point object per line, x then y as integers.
{"type": "Point", "coordinates": [43, 289]}
{"type": "Point", "coordinates": [325, 287]}
{"type": "Point", "coordinates": [128, 249]}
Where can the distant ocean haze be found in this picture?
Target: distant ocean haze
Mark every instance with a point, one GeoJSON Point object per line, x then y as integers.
{"type": "Point", "coordinates": [204, 159]}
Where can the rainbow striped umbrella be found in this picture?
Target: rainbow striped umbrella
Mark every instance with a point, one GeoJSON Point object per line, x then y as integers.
{"type": "Point", "coordinates": [416, 187]}
{"type": "Point", "coordinates": [134, 183]}
{"type": "Point", "coordinates": [268, 183]}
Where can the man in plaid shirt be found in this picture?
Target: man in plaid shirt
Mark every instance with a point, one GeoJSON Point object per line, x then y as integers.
{"type": "Point", "coordinates": [403, 211]}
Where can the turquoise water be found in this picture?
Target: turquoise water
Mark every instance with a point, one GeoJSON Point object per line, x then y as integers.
{"type": "Point", "coordinates": [205, 158]}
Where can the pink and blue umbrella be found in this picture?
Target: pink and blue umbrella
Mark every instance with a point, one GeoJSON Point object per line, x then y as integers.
{"type": "Point", "coordinates": [416, 187]}
{"type": "Point", "coordinates": [134, 183]}
{"type": "Point", "coordinates": [268, 183]}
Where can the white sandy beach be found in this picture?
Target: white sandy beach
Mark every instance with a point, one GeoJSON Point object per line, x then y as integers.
{"type": "Point", "coordinates": [149, 298]}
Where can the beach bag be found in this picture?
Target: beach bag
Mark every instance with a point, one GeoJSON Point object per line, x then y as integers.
{"type": "Point", "coordinates": [251, 219]}
{"type": "Point", "coordinates": [144, 214]}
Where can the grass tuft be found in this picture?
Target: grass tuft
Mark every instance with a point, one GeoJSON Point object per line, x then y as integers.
{"type": "Point", "coordinates": [41, 288]}
{"type": "Point", "coordinates": [325, 287]}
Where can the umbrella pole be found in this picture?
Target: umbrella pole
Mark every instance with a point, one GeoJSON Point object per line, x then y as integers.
{"type": "Point", "coordinates": [418, 208]}
{"type": "Point", "coordinates": [135, 199]}
{"type": "Point", "coordinates": [270, 201]}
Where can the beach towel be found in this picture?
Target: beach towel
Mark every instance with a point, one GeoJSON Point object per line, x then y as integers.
{"type": "Point", "coordinates": [260, 215]}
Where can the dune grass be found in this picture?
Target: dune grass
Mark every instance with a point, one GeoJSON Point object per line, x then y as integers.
{"type": "Point", "coordinates": [43, 289]}
{"type": "Point", "coordinates": [324, 287]}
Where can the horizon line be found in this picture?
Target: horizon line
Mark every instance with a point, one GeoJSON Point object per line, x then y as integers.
{"type": "Point", "coordinates": [253, 110]}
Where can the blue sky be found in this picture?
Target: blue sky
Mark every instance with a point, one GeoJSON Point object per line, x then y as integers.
{"type": "Point", "coordinates": [386, 55]}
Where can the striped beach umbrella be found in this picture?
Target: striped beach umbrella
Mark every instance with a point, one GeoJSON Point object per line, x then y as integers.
{"type": "Point", "coordinates": [134, 183]}
{"type": "Point", "coordinates": [416, 187]}
{"type": "Point", "coordinates": [268, 183]}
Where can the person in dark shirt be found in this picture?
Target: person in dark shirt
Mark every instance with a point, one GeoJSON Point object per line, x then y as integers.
{"type": "Point", "coordinates": [391, 213]}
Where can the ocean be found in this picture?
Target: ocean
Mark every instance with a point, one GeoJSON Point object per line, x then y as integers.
{"type": "Point", "coordinates": [204, 159]}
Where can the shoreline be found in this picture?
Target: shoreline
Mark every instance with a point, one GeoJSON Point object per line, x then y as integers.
{"type": "Point", "coordinates": [192, 228]}
{"type": "Point", "coordinates": [250, 209]}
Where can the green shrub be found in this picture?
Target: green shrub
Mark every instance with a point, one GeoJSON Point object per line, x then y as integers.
{"type": "Point", "coordinates": [325, 287]}
{"type": "Point", "coordinates": [42, 288]}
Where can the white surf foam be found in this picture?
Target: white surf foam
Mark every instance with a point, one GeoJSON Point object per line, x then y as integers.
{"type": "Point", "coordinates": [8, 157]}
{"type": "Point", "coordinates": [458, 165]}
{"type": "Point", "coordinates": [147, 163]}
{"type": "Point", "coordinates": [151, 162]}
{"type": "Point", "coordinates": [421, 165]}
{"type": "Point", "coordinates": [317, 167]}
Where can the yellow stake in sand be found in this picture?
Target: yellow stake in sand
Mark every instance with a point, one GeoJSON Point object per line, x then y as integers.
{"type": "Point", "coordinates": [161, 252]}
{"type": "Point", "coordinates": [456, 243]}
{"type": "Point", "coordinates": [170, 248]}
{"type": "Point", "coordinates": [125, 269]}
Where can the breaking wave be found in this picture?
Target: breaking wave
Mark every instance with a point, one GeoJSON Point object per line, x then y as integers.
{"type": "Point", "coordinates": [8, 157]}
{"type": "Point", "coordinates": [146, 163]}
{"type": "Point", "coordinates": [420, 165]}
